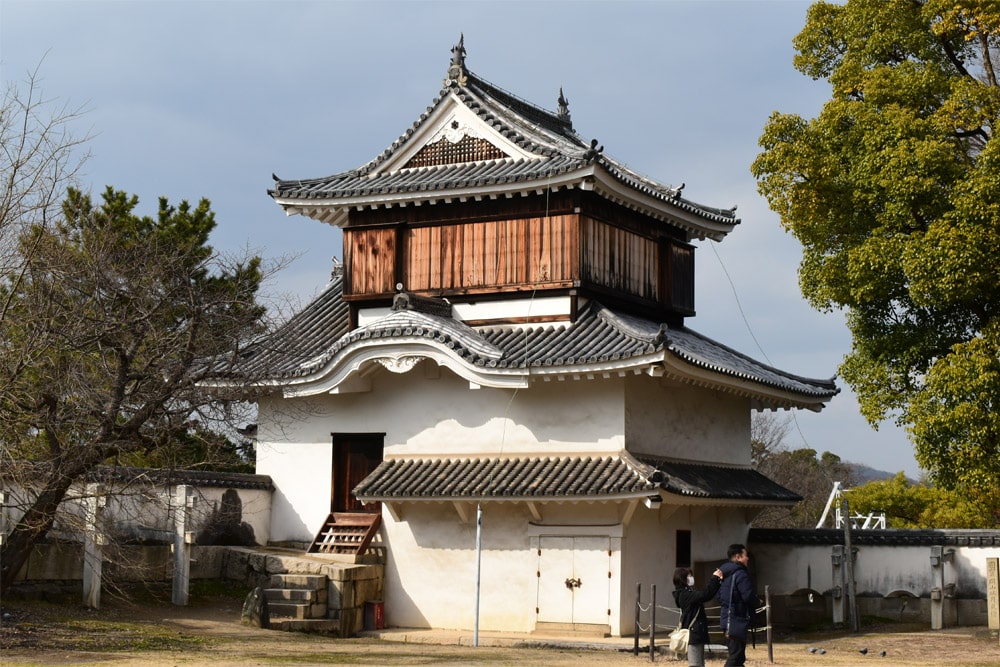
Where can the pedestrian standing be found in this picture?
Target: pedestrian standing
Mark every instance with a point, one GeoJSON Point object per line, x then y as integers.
{"type": "Point", "coordinates": [738, 603]}
{"type": "Point", "coordinates": [691, 602]}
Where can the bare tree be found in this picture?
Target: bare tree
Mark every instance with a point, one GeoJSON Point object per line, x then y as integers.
{"type": "Point", "coordinates": [799, 470]}
{"type": "Point", "coordinates": [40, 157]}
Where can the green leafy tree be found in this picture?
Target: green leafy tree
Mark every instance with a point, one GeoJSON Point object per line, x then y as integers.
{"type": "Point", "coordinates": [105, 340]}
{"type": "Point", "coordinates": [893, 191]}
{"type": "Point", "coordinates": [909, 505]}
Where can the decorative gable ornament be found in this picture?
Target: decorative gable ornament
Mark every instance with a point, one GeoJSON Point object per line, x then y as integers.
{"type": "Point", "coordinates": [456, 71]}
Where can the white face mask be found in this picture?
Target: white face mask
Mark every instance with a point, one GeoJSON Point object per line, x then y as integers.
{"type": "Point", "coordinates": [690, 580]}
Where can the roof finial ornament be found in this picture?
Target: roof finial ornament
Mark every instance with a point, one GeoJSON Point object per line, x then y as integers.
{"type": "Point", "coordinates": [457, 73]}
{"type": "Point", "coordinates": [594, 151]}
{"type": "Point", "coordinates": [563, 109]}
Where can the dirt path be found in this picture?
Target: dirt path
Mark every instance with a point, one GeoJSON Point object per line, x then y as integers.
{"type": "Point", "coordinates": [209, 633]}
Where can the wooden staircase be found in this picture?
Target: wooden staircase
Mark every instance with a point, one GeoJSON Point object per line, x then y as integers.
{"type": "Point", "coordinates": [346, 533]}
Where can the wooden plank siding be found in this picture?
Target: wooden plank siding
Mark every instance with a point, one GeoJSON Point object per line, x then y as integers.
{"type": "Point", "coordinates": [680, 270]}
{"type": "Point", "coordinates": [491, 254]}
{"type": "Point", "coordinates": [369, 261]}
{"type": "Point", "coordinates": [620, 260]}
{"type": "Point", "coordinates": [619, 264]}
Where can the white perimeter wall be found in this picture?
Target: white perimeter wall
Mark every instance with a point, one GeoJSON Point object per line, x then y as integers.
{"type": "Point", "coordinates": [140, 510]}
{"type": "Point", "coordinates": [878, 570]}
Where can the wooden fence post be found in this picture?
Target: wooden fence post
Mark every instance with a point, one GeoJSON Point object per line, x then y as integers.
{"type": "Point", "coordinates": [638, 611]}
{"type": "Point", "coordinates": [652, 625]}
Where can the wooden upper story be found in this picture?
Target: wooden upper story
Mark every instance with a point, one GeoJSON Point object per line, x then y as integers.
{"type": "Point", "coordinates": [490, 198]}
{"type": "Point", "coordinates": [570, 243]}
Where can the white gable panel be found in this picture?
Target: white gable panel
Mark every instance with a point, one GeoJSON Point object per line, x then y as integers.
{"type": "Point", "coordinates": [452, 120]}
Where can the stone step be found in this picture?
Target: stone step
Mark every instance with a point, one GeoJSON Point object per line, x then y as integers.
{"type": "Point", "coordinates": [297, 610]}
{"type": "Point", "coordinates": [300, 595]}
{"type": "Point", "coordinates": [313, 581]}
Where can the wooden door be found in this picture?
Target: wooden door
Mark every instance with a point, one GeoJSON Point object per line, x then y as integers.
{"type": "Point", "coordinates": [573, 579]}
{"type": "Point", "coordinates": [355, 456]}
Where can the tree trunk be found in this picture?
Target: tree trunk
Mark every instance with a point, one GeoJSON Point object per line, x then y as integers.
{"type": "Point", "coordinates": [31, 528]}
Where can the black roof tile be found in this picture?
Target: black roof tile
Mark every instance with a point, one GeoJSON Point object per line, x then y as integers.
{"type": "Point", "coordinates": [898, 537]}
{"type": "Point", "coordinates": [563, 477]}
{"type": "Point", "coordinates": [719, 482]}
{"type": "Point", "coordinates": [556, 149]}
{"type": "Point", "coordinates": [171, 476]}
{"type": "Point", "coordinates": [314, 337]}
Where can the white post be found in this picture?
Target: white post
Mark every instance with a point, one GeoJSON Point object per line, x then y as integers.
{"type": "Point", "coordinates": [829, 501]}
{"type": "Point", "coordinates": [183, 539]}
{"type": "Point", "coordinates": [937, 591]}
{"type": "Point", "coordinates": [3, 515]}
{"type": "Point", "coordinates": [93, 543]}
{"type": "Point", "coordinates": [839, 581]}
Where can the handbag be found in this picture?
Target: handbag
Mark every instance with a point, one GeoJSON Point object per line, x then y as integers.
{"type": "Point", "coordinates": [680, 636]}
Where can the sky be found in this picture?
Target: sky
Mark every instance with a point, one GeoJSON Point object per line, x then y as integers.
{"type": "Point", "coordinates": [208, 99]}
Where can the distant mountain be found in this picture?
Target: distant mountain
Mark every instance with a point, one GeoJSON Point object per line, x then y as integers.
{"type": "Point", "coordinates": [864, 474]}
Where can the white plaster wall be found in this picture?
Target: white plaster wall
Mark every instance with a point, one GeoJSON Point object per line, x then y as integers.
{"type": "Point", "coordinates": [663, 418]}
{"type": "Point", "coordinates": [140, 510]}
{"type": "Point", "coordinates": [878, 570]}
{"type": "Point", "coordinates": [425, 412]}
{"type": "Point", "coordinates": [430, 574]}
{"type": "Point", "coordinates": [788, 568]}
{"type": "Point", "coordinates": [256, 509]}
{"type": "Point", "coordinates": [301, 474]}
{"type": "Point", "coordinates": [650, 555]}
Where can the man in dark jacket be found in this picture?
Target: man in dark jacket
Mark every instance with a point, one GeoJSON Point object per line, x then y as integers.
{"type": "Point", "coordinates": [738, 603]}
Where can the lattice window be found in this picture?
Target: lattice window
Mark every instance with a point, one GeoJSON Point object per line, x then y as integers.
{"type": "Point", "coordinates": [468, 149]}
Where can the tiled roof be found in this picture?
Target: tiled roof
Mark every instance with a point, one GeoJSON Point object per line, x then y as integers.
{"type": "Point", "coordinates": [559, 158]}
{"type": "Point", "coordinates": [721, 482]}
{"type": "Point", "coordinates": [169, 477]}
{"type": "Point", "coordinates": [562, 478]}
{"type": "Point", "coordinates": [306, 337]}
{"type": "Point", "coordinates": [530, 477]}
{"type": "Point", "coordinates": [830, 536]}
{"type": "Point", "coordinates": [319, 335]}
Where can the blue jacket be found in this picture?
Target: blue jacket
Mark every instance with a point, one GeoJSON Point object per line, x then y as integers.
{"type": "Point", "coordinates": [737, 600]}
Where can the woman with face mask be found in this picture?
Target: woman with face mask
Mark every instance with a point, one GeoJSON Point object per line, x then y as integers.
{"type": "Point", "coordinates": [691, 603]}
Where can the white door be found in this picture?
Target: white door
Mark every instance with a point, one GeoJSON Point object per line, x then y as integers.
{"type": "Point", "coordinates": [574, 581]}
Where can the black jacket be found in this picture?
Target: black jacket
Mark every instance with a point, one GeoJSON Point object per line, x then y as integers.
{"type": "Point", "coordinates": [690, 601]}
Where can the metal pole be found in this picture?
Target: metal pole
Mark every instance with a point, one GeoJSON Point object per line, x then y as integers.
{"type": "Point", "coordinates": [479, 567]}
{"type": "Point", "coordinates": [638, 610]}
